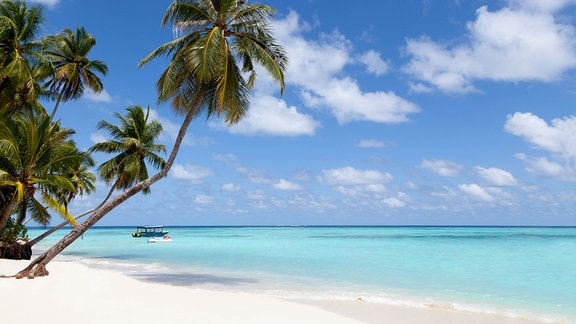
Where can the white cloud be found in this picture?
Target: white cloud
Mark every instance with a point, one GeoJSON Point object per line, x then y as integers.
{"type": "Point", "coordinates": [374, 63]}
{"type": "Point", "coordinates": [102, 96]}
{"type": "Point", "coordinates": [190, 172]}
{"type": "Point", "coordinates": [371, 143]}
{"type": "Point", "coordinates": [394, 202]}
{"type": "Point", "coordinates": [317, 68]}
{"type": "Point", "coordinates": [549, 6]}
{"type": "Point", "coordinates": [257, 195]}
{"type": "Point", "coordinates": [361, 190]}
{"type": "Point", "coordinates": [496, 177]}
{"type": "Point", "coordinates": [442, 167]}
{"type": "Point", "coordinates": [98, 138]}
{"type": "Point", "coordinates": [520, 42]}
{"type": "Point", "coordinates": [557, 138]}
{"type": "Point", "coordinates": [203, 199]}
{"type": "Point", "coordinates": [48, 3]}
{"type": "Point", "coordinates": [476, 192]}
{"type": "Point", "coordinates": [542, 166]}
{"type": "Point", "coordinates": [351, 176]}
{"type": "Point", "coordinates": [230, 187]}
{"type": "Point", "coordinates": [284, 184]}
{"type": "Point", "coordinates": [271, 116]}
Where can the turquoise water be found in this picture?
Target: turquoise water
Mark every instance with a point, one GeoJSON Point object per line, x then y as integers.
{"type": "Point", "coordinates": [516, 271]}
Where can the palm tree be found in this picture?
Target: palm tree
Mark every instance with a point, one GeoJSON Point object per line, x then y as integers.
{"type": "Point", "coordinates": [219, 42]}
{"type": "Point", "coordinates": [203, 75]}
{"type": "Point", "coordinates": [73, 71]}
{"type": "Point", "coordinates": [22, 67]}
{"type": "Point", "coordinates": [134, 143]}
{"type": "Point", "coordinates": [36, 159]}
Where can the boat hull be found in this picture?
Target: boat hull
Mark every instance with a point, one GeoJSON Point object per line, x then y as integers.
{"type": "Point", "coordinates": [160, 239]}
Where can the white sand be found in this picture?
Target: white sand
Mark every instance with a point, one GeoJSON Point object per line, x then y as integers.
{"type": "Point", "coordinates": [75, 293]}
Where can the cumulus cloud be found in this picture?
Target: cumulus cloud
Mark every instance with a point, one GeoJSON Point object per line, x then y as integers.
{"type": "Point", "coordinates": [394, 202]}
{"type": "Point", "coordinates": [230, 187]}
{"type": "Point", "coordinates": [557, 138]}
{"type": "Point", "coordinates": [351, 176]}
{"type": "Point", "coordinates": [190, 172]}
{"type": "Point", "coordinates": [271, 116]}
{"type": "Point", "coordinates": [98, 138]}
{"type": "Point", "coordinates": [102, 96]}
{"type": "Point", "coordinates": [476, 192]}
{"type": "Point", "coordinates": [203, 199]}
{"type": "Point", "coordinates": [496, 177]}
{"type": "Point", "coordinates": [284, 184]}
{"type": "Point", "coordinates": [374, 63]}
{"type": "Point", "coordinates": [542, 166]}
{"type": "Point", "coordinates": [442, 167]}
{"type": "Point", "coordinates": [316, 68]}
{"type": "Point", "coordinates": [257, 195]}
{"type": "Point", "coordinates": [521, 42]}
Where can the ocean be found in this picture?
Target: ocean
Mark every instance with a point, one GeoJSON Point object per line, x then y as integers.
{"type": "Point", "coordinates": [527, 272]}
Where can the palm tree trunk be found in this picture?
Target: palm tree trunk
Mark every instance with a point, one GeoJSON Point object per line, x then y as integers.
{"type": "Point", "coordinates": [37, 267]}
{"type": "Point", "coordinates": [55, 108]}
{"type": "Point", "coordinates": [22, 211]}
{"type": "Point", "coordinates": [6, 213]}
{"type": "Point", "coordinates": [59, 226]}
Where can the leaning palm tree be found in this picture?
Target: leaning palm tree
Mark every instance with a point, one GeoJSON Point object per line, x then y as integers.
{"type": "Point", "coordinates": [218, 45]}
{"type": "Point", "coordinates": [134, 142]}
{"type": "Point", "coordinates": [73, 71]}
{"type": "Point", "coordinates": [37, 156]}
{"type": "Point", "coordinates": [22, 65]}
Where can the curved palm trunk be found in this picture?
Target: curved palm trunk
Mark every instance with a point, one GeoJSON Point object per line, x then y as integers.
{"type": "Point", "coordinates": [59, 226]}
{"type": "Point", "coordinates": [37, 267]}
{"type": "Point", "coordinates": [55, 108]}
{"type": "Point", "coordinates": [6, 213]}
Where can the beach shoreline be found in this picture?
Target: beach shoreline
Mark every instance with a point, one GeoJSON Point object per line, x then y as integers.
{"type": "Point", "coordinates": [76, 291]}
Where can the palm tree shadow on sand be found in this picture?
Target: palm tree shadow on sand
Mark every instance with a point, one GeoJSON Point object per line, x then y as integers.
{"type": "Point", "coordinates": [191, 279]}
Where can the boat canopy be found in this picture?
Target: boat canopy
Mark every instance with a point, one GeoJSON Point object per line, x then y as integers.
{"type": "Point", "coordinates": [151, 230]}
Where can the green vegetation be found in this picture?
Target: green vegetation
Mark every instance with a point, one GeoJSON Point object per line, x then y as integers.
{"type": "Point", "coordinates": [13, 232]}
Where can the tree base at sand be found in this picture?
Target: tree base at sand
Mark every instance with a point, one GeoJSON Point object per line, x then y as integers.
{"type": "Point", "coordinates": [32, 271]}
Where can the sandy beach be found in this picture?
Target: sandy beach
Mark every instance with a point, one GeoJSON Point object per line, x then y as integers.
{"type": "Point", "coordinates": [74, 293]}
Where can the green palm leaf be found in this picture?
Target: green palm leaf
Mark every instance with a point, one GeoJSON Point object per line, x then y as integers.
{"type": "Point", "coordinates": [218, 42]}
{"type": "Point", "coordinates": [133, 142]}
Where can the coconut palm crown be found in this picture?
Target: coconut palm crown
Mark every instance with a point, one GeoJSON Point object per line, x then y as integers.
{"type": "Point", "coordinates": [212, 67]}
{"type": "Point", "coordinates": [73, 71]}
{"type": "Point", "coordinates": [134, 142]}
{"type": "Point", "coordinates": [37, 157]}
{"type": "Point", "coordinates": [22, 66]}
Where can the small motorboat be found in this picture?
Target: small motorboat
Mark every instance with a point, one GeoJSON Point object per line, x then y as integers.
{"type": "Point", "coordinates": [164, 238]}
{"type": "Point", "coordinates": [150, 231]}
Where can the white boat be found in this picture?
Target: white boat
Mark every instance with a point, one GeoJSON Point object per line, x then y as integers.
{"type": "Point", "coordinates": [164, 238]}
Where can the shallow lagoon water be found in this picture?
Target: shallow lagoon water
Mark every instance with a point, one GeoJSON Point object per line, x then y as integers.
{"type": "Point", "coordinates": [517, 271]}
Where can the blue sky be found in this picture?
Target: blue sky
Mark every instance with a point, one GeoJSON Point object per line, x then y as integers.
{"type": "Point", "coordinates": [395, 112]}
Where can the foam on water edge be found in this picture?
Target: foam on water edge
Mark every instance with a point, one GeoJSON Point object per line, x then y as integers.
{"type": "Point", "coordinates": [295, 288]}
